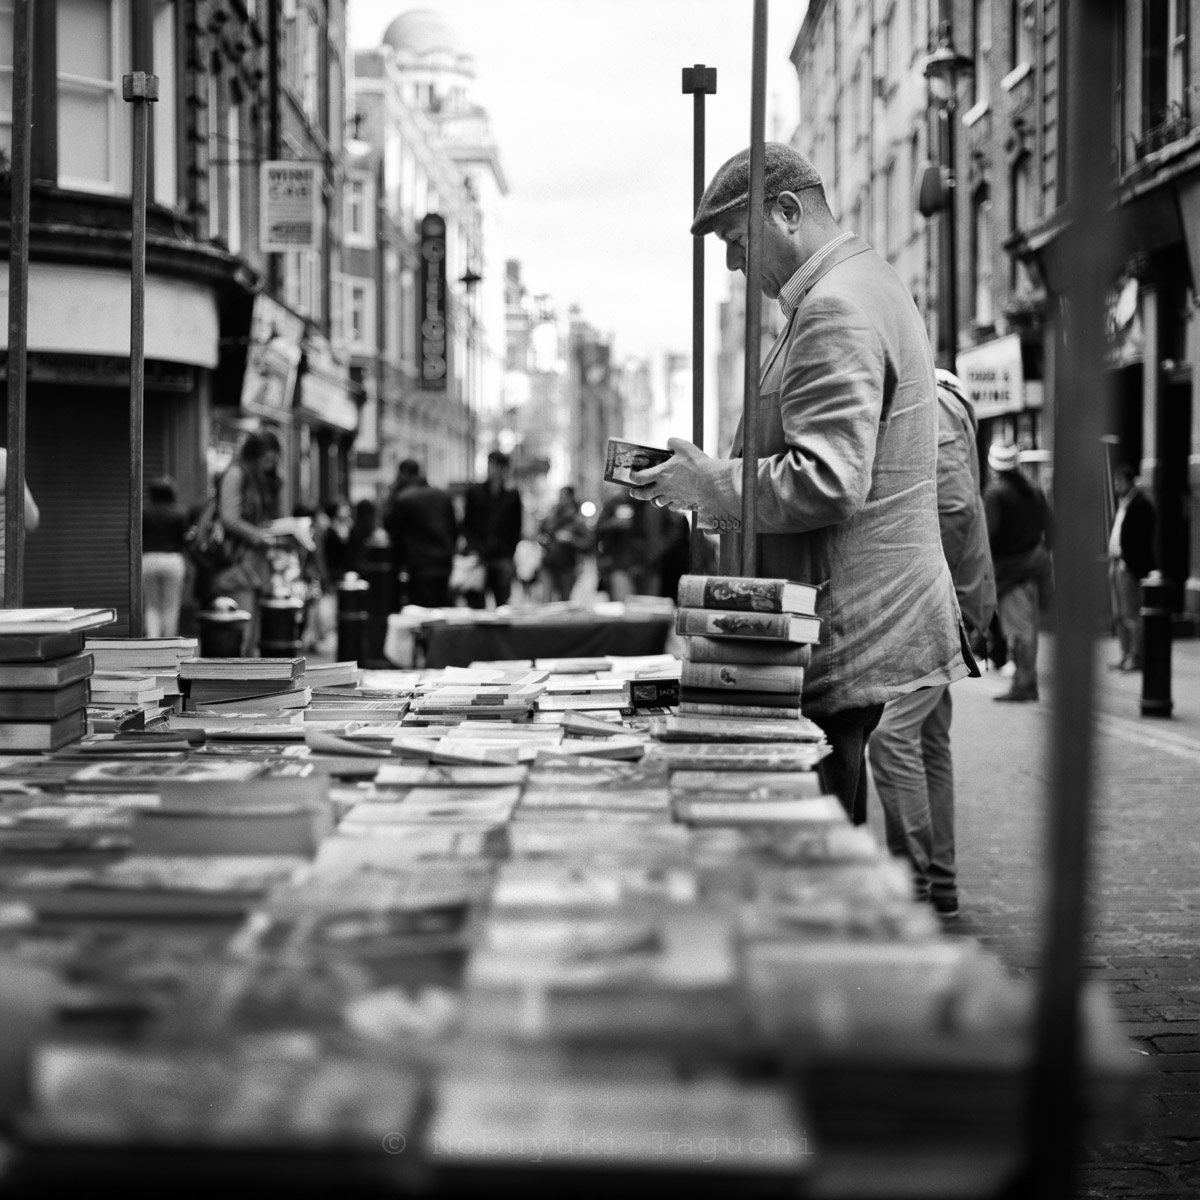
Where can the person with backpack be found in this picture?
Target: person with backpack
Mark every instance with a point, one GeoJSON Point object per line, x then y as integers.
{"type": "Point", "coordinates": [247, 501]}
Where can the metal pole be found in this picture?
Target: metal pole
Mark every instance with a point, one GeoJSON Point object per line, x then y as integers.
{"type": "Point", "coordinates": [1081, 391]}
{"type": "Point", "coordinates": [950, 236]}
{"type": "Point", "coordinates": [141, 90]}
{"type": "Point", "coordinates": [18, 306]}
{"type": "Point", "coordinates": [699, 81]}
{"type": "Point", "coordinates": [754, 238]}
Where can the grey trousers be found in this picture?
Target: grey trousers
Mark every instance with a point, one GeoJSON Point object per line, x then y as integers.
{"type": "Point", "coordinates": [914, 779]}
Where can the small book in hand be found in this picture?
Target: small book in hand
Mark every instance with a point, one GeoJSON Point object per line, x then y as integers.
{"type": "Point", "coordinates": [623, 457]}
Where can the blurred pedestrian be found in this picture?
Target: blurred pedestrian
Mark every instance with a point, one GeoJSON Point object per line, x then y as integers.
{"type": "Point", "coordinates": [423, 528]}
{"type": "Point", "coordinates": [910, 748]}
{"type": "Point", "coordinates": [629, 546]}
{"type": "Point", "coordinates": [1018, 521]}
{"type": "Point", "coordinates": [363, 530]}
{"type": "Point", "coordinates": [1130, 560]}
{"type": "Point", "coordinates": [334, 540]}
{"type": "Point", "coordinates": [164, 564]}
{"type": "Point", "coordinates": [249, 499]}
{"type": "Point", "coordinates": [492, 528]}
{"type": "Point", "coordinates": [676, 552]}
{"type": "Point", "coordinates": [564, 538]}
{"type": "Point", "coordinates": [32, 515]}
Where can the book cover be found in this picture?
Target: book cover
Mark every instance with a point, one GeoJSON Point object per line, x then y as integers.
{"type": "Point", "coordinates": [745, 652]}
{"type": "Point", "coordinates": [23, 736]}
{"type": "Point", "coordinates": [747, 594]}
{"type": "Point", "coordinates": [241, 668]}
{"type": "Point", "coordinates": [815, 809]}
{"type": "Point", "coordinates": [720, 729]}
{"type": "Point", "coordinates": [43, 704]}
{"type": "Point", "coordinates": [39, 647]}
{"type": "Point", "coordinates": [128, 776]}
{"type": "Point", "coordinates": [52, 620]}
{"type": "Point", "coordinates": [725, 785]}
{"type": "Point", "coordinates": [247, 827]}
{"type": "Point", "coordinates": [654, 693]}
{"type": "Point", "coordinates": [50, 674]}
{"type": "Point", "coordinates": [743, 712]}
{"type": "Point", "coordinates": [779, 627]}
{"type": "Point", "coordinates": [740, 697]}
{"type": "Point", "coordinates": [622, 457]}
{"type": "Point", "coordinates": [741, 677]}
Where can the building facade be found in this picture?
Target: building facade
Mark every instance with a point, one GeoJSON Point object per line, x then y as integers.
{"type": "Point", "coordinates": [425, 183]}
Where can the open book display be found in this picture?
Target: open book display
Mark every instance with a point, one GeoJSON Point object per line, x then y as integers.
{"type": "Point", "coordinates": [452, 914]}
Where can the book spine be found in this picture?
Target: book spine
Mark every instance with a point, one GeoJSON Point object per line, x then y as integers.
{"type": "Point", "coordinates": [755, 712]}
{"type": "Point", "coordinates": [727, 592]}
{"type": "Point", "coordinates": [653, 693]}
{"type": "Point", "coordinates": [745, 651]}
{"type": "Point", "coordinates": [740, 698]}
{"type": "Point", "coordinates": [710, 622]}
{"type": "Point", "coordinates": [738, 677]}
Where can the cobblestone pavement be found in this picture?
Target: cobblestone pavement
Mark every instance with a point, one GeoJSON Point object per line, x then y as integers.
{"type": "Point", "coordinates": [1143, 940]}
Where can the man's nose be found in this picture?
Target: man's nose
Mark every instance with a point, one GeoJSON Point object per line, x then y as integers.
{"type": "Point", "coordinates": [734, 259]}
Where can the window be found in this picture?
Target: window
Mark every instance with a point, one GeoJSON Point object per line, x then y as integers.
{"type": "Point", "coordinates": [6, 76]}
{"type": "Point", "coordinates": [358, 214]}
{"type": "Point", "coordinates": [302, 282]}
{"type": "Point", "coordinates": [233, 180]}
{"type": "Point", "coordinates": [302, 55]}
{"type": "Point", "coordinates": [358, 313]}
{"type": "Point", "coordinates": [163, 114]}
{"type": "Point", "coordinates": [93, 55]}
{"type": "Point", "coordinates": [1023, 21]}
{"type": "Point", "coordinates": [215, 191]}
{"type": "Point", "coordinates": [981, 45]}
{"type": "Point", "coordinates": [1022, 216]}
{"type": "Point", "coordinates": [1164, 62]}
{"type": "Point", "coordinates": [981, 253]}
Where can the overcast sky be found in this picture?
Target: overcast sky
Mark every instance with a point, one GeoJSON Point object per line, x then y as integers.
{"type": "Point", "coordinates": [595, 137]}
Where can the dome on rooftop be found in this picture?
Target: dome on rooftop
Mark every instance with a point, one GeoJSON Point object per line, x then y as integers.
{"type": "Point", "coordinates": [420, 31]}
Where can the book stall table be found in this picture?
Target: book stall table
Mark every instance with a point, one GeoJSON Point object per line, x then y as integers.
{"type": "Point", "coordinates": [468, 939]}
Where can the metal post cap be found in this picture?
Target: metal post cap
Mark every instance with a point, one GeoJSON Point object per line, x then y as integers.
{"type": "Point", "coordinates": [352, 582]}
{"type": "Point", "coordinates": [224, 608]}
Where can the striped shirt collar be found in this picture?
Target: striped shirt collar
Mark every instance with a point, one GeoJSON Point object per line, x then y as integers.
{"type": "Point", "coordinates": [790, 293]}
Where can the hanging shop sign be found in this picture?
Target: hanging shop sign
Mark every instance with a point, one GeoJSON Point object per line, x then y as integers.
{"type": "Point", "coordinates": [1123, 324]}
{"type": "Point", "coordinates": [273, 355]}
{"type": "Point", "coordinates": [994, 376]}
{"type": "Point", "coordinates": [431, 309]}
{"type": "Point", "coordinates": [326, 391]}
{"type": "Point", "coordinates": [290, 214]}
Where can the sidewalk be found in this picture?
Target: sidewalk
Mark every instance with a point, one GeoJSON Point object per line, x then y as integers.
{"type": "Point", "coordinates": [1143, 935]}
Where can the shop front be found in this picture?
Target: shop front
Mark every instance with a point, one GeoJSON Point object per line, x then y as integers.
{"type": "Point", "coordinates": [77, 418]}
{"type": "Point", "coordinates": [326, 419]}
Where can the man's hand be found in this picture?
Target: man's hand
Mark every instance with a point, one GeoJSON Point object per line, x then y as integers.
{"type": "Point", "coordinates": [679, 483]}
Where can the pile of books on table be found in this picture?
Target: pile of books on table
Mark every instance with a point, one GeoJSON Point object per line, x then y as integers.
{"type": "Point", "coordinates": [137, 680]}
{"type": "Point", "coordinates": [257, 685]}
{"type": "Point", "coordinates": [44, 676]}
{"type": "Point", "coordinates": [544, 943]}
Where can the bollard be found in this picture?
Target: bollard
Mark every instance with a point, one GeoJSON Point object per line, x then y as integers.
{"type": "Point", "coordinates": [352, 618]}
{"type": "Point", "coordinates": [281, 620]}
{"type": "Point", "coordinates": [380, 572]}
{"type": "Point", "coordinates": [1156, 646]}
{"type": "Point", "coordinates": [223, 629]}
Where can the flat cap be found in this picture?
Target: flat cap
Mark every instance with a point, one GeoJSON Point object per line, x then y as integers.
{"type": "Point", "coordinates": [1002, 458]}
{"type": "Point", "coordinates": [784, 170]}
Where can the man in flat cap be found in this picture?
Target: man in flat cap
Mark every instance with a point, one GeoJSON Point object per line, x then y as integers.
{"type": "Point", "coordinates": [847, 461]}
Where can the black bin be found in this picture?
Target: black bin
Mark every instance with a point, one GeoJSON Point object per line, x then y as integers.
{"type": "Point", "coordinates": [281, 627]}
{"type": "Point", "coordinates": [223, 629]}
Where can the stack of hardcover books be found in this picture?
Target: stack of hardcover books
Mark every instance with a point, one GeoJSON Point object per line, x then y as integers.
{"type": "Point", "coordinates": [44, 673]}
{"type": "Point", "coordinates": [156, 656]}
{"type": "Point", "coordinates": [746, 643]}
{"type": "Point", "coordinates": [206, 681]}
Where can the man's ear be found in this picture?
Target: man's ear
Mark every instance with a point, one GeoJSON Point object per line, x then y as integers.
{"type": "Point", "coordinates": [792, 208]}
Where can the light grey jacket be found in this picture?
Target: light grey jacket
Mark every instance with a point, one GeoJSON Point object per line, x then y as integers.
{"type": "Point", "coordinates": [846, 486]}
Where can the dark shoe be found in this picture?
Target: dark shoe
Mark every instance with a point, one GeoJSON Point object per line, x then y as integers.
{"type": "Point", "coordinates": [1121, 664]}
{"type": "Point", "coordinates": [1014, 696]}
{"type": "Point", "coordinates": [1131, 664]}
{"type": "Point", "coordinates": [946, 907]}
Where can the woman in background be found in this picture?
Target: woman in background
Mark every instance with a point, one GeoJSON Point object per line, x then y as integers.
{"type": "Point", "coordinates": [163, 564]}
{"type": "Point", "coordinates": [249, 494]}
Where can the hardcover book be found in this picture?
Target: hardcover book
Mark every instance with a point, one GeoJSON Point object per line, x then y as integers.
{"type": "Point", "coordinates": [24, 736]}
{"type": "Point", "coordinates": [815, 809]}
{"type": "Point", "coordinates": [718, 729]}
{"type": "Point", "coordinates": [38, 647]}
{"type": "Point", "coordinates": [738, 712]}
{"type": "Point", "coordinates": [745, 652]}
{"type": "Point", "coordinates": [736, 698]}
{"type": "Point", "coordinates": [739, 677]}
{"type": "Point", "coordinates": [777, 627]}
{"type": "Point", "coordinates": [25, 621]}
{"type": "Point", "coordinates": [622, 457]}
{"type": "Point", "coordinates": [43, 704]}
{"type": "Point", "coordinates": [53, 673]}
{"type": "Point", "coordinates": [747, 594]}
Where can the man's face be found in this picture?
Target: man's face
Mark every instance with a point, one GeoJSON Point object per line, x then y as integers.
{"type": "Point", "coordinates": [1122, 485]}
{"type": "Point", "coordinates": [781, 257]}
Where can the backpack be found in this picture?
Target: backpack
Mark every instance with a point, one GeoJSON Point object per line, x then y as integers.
{"type": "Point", "coordinates": [205, 542]}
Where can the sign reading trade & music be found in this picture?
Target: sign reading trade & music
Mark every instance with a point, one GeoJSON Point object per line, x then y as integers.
{"type": "Point", "coordinates": [431, 306]}
{"type": "Point", "coordinates": [994, 376]}
{"type": "Point", "coordinates": [290, 206]}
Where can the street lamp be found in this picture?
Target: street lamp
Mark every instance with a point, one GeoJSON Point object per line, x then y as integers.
{"type": "Point", "coordinates": [942, 70]}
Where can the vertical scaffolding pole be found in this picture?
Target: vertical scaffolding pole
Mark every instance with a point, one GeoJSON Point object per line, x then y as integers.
{"type": "Point", "coordinates": [699, 81]}
{"type": "Point", "coordinates": [18, 306]}
{"type": "Point", "coordinates": [754, 238]}
{"type": "Point", "coordinates": [139, 89]}
{"type": "Point", "coordinates": [1081, 391]}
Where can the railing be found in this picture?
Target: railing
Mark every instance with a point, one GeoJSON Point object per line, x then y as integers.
{"type": "Point", "coordinates": [1174, 126]}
